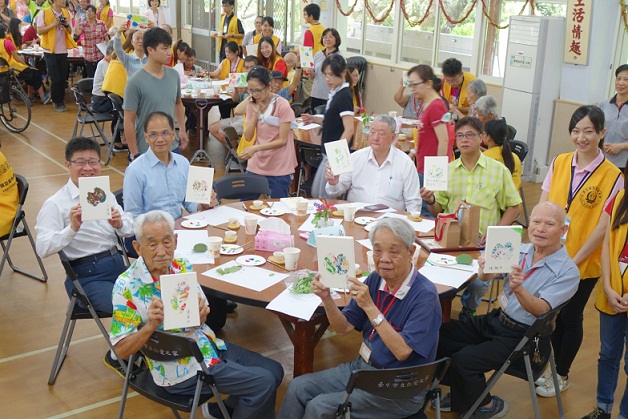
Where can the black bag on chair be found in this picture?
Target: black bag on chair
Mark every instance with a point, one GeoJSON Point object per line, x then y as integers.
{"type": "Point", "coordinates": [5, 82]}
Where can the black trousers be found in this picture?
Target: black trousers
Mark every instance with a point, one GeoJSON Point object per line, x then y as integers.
{"type": "Point", "coordinates": [57, 65]}
{"type": "Point", "coordinates": [31, 77]}
{"type": "Point", "coordinates": [475, 345]}
{"type": "Point", "coordinates": [90, 68]}
{"type": "Point", "coordinates": [102, 104]}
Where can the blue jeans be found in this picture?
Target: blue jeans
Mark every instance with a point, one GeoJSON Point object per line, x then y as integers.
{"type": "Point", "coordinates": [250, 379]}
{"type": "Point", "coordinates": [318, 395]}
{"type": "Point", "coordinates": [97, 279]}
{"type": "Point", "coordinates": [279, 185]}
{"type": "Point", "coordinates": [613, 340]}
{"type": "Point", "coordinates": [425, 212]}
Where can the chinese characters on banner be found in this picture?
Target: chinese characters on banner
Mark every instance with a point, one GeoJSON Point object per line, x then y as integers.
{"type": "Point", "coordinates": [578, 31]}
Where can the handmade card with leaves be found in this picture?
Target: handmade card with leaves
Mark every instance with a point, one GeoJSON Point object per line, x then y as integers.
{"type": "Point", "coordinates": [336, 260]}
{"type": "Point", "coordinates": [307, 57]}
{"type": "Point", "coordinates": [199, 187]}
{"type": "Point", "coordinates": [237, 80]}
{"type": "Point", "coordinates": [95, 198]}
{"type": "Point", "coordinates": [436, 173]}
{"type": "Point", "coordinates": [339, 157]}
{"type": "Point", "coordinates": [502, 248]}
{"type": "Point", "coordinates": [179, 294]}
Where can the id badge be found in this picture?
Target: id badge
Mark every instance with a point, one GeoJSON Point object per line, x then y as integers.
{"type": "Point", "coordinates": [503, 300]}
{"type": "Point", "coordinates": [563, 239]}
{"type": "Point", "coordinates": [365, 352]}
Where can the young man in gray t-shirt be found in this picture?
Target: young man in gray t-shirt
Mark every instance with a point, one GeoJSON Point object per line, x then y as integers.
{"type": "Point", "coordinates": [156, 87]}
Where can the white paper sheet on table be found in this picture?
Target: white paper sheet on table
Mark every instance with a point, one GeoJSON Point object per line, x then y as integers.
{"type": "Point", "coordinates": [361, 205]}
{"type": "Point", "coordinates": [406, 121]}
{"type": "Point", "coordinates": [296, 305]}
{"type": "Point", "coordinates": [422, 226]}
{"type": "Point", "coordinates": [186, 239]}
{"type": "Point", "coordinates": [290, 205]}
{"type": "Point", "coordinates": [471, 268]}
{"type": "Point", "coordinates": [220, 215]}
{"type": "Point", "coordinates": [308, 226]}
{"type": "Point", "coordinates": [446, 276]}
{"type": "Point", "coordinates": [251, 277]}
{"type": "Point", "coordinates": [366, 243]}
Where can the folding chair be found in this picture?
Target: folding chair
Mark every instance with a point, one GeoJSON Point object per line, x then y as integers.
{"type": "Point", "coordinates": [241, 186]}
{"type": "Point", "coordinates": [521, 150]}
{"type": "Point", "coordinates": [319, 110]}
{"type": "Point", "coordinates": [19, 228]}
{"type": "Point", "coordinates": [73, 313]}
{"type": "Point", "coordinates": [398, 384]}
{"type": "Point", "coordinates": [362, 65]}
{"type": "Point", "coordinates": [164, 347]}
{"type": "Point", "coordinates": [232, 162]}
{"type": "Point", "coordinates": [529, 344]}
{"type": "Point", "coordinates": [309, 155]}
{"type": "Point", "coordinates": [116, 102]}
{"type": "Point", "coordinates": [86, 116]}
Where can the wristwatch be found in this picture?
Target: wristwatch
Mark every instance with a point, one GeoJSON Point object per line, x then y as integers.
{"type": "Point", "coordinates": [298, 68]}
{"type": "Point", "coordinates": [378, 320]}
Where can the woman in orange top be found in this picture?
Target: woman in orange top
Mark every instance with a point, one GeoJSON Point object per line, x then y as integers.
{"type": "Point", "coordinates": [268, 57]}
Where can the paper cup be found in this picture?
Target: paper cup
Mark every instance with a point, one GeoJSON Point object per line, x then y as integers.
{"type": "Point", "coordinates": [349, 212]}
{"type": "Point", "coordinates": [302, 207]}
{"type": "Point", "coordinates": [231, 236]}
{"type": "Point", "coordinates": [258, 203]}
{"type": "Point", "coordinates": [213, 244]}
{"type": "Point", "coordinates": [197, 90]}
{"type": "Point", "coordinates": [250, 224]}
{"type": "Point", "coordinates": [291, 256]}
{"type": "Point", "coordinates": [279, 257]}
{"type": "Point", "coordinates": [415, 214]}
{"type": "Point", "coordinates": [371, 261]}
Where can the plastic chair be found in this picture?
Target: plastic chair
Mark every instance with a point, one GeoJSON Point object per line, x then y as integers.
{"type": "Point", "coordinates": [541, 328]}
{"type": "Point", "coordinates": [241, 186]}
{"type": "Point", "coordinates": [86, 116]}
{"type": "Point", "coordinates": [164, 346]}
{"type": "Point", "coordinates": [512, 133]}
{"type": "Point", "coordinates": [319, 110]}
{"type": "Point", "coordinates": [521, 150]}
{"type": "Point", "coordinates": [75, 312]}
{"type": "Point", "coordinates": [232, 160]}
{"type": "Point", "coordinates": [19, 228]}
{"type": "Point", "coordinates": [398, 384]}
{"type": "Point", "coordinates": [309, 154]}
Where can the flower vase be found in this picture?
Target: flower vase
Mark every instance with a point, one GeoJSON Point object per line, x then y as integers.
{"type": "Point", "coordinates": [322, 223]}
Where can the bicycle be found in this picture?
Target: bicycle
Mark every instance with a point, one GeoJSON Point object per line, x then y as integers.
{"type": "Point", "coordinates": [15, 106]}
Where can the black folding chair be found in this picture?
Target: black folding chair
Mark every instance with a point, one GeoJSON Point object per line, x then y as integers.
{"type": "Point", "coordinates": [19, 228]}
{"type": "Point", "coordinates": [232, 162]}
{"type": "Point", "coordinates": [535, 342]}
{"type": "Point", "coordinates": [398, 384]}
{"type": "Point", "coordinates": [309, 155]}
{"type": "Point", "coordinates": [73, 313]}
{"type": "Point", "coordinates": [118, 129]}
{"type": "Point", "coordinates": [165, 347]}
{"type": "Point", "coordinates": [241, 186]}
{"type": "Point", "coordinates": [521, 150]}
{"type": "Point", "coordinates": [86, 116]}
{"type": "Point", "coordinates": [362, 65]}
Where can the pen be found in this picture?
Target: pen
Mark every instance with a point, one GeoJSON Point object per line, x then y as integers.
{"type": "Point", "coordinates": [244, 206]}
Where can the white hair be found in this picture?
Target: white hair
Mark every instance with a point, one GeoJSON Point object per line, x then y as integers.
{"type": "Point", "coordinates": [400, 228]}
{"type": "Point", "coordinates": [151, 217]}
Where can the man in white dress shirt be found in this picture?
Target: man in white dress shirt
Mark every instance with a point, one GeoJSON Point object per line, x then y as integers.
{"type": "Point", "coordinates": [91, 246]}
{"type": "Point", "coordinates": [382, 174]}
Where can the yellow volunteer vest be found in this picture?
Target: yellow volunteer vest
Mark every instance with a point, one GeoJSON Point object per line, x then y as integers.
{"type": "Point", "coordinates": [104, 14]}
{"type": "Point", "coordinates": [317, 32]}
{"type": "Point", "coordinates": [226, 68]}
{"type": "Point", "coordinates": [12, 62]}
{"type": "Point", "coordinates": [619, 282]}
{"type": "Point", "coordinates": [585, 208]}
{"type": "Point", "coordinates": [232, 29]}
{"type": "Point", "coordinates": [256, 39]}
{"type": "Point", "coordinates": [48, 39]}
{"type": "Point", "coordinates": [115, 78]}
{"type": "Point", "coordinates": [13, 6]}
{"type": "Point", "coordinates": [462, 99]}
{"type": "Point", "coordinates": [9, 198]}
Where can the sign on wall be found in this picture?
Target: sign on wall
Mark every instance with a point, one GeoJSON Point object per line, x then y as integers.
{"type": "Point", "coordinates": [578, 32]}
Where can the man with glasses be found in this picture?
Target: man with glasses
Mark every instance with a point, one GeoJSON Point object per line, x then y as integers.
{"type": "Point", "coordinates": [455, 86]}
{"type": "Point", "coordinates": [481, 181]}
{"type": "Point", "coordinates": [231, 27]}
{"type": "Point", "coordinates": [91, 245]}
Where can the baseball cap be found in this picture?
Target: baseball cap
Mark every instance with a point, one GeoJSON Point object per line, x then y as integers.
{"type": "Point", "coordinates": [278, 75]}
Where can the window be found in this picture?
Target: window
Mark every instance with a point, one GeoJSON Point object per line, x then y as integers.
{"type": "Point", "coordinates": [127, 6]}
{"type": "Point", "coordinates": [417, 38]}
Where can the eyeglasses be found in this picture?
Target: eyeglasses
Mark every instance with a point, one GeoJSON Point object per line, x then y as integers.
{"type": "Point", "coordinates": [255, 91]}
{"type": "Point", "coordinates": [329, 75]}
{"type": "Point", "coordinates": [467, 135]}
{"type": "Point", "coordinates": [329, 37]}
{"type": "Point", "coordinates": [451, 80]}
{"type": "Point", "coordinates": [155, 135]}
{"type": "Point", "coordinates": [83, 162]}
{"type": "Point", "coordinates": [413, 85]}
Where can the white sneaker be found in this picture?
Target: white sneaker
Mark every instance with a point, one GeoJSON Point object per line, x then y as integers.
{"type": "Point", "coordinates": [205, 411]}
{"type": "Point", "coordinates": [548, 390]}
{"type": "Point", "coordinates": [547, 376]}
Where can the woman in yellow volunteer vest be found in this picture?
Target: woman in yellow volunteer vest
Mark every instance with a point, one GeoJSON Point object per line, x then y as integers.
{"type": "Point", "coordinates": [232, 64]}
{"type": "Point", "coordinates": [268, 26]}
{"type": "Point", "coordinates": [269, 58]}
{"type": "Point", "coordinates": [30, 76]}
{"type": "Point", "coordinates": [49, 22]}
{"type": "Point", "coordinates": [582, 182]}
{"type": "Point", "coordinates": [105, 13]}
{"type": "Point", "coordinates": [8, 196]}
{"type": "Point", "coordinates": [612, 303]}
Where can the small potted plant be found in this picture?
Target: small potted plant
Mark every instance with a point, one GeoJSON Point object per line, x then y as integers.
{"type": "Point", "coordinates": [323, 212]}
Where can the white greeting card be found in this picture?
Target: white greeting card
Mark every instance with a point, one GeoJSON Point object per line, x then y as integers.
{"type": "Point", "coordinates": [95, 198]}
{"type": "Point", "coordinates": [436, 173]}
{"type": "Point", "coordinates": [339, 157]}
{"type": "Point", "coordinates": [237, 80]}
{"type": "Point", "coordinates": [251, 49]}
{"type": "Point", "coordinates": [307, 57]}
{"type": "Point", "coordinates": [336, 260]}
{"type": "Point", "coordinates": [502, 248]}
{"type": "Point", "coordinates": [179, 294]}
{"type": "Point", "coordinates": [199, 187]}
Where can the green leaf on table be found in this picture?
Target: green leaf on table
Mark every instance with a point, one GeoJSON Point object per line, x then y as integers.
{"type": "Point", "coordinates": [230, 269]}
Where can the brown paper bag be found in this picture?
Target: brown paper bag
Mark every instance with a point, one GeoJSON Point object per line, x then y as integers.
{"type": "Point", "coordinates": [447, 230]}
{"type": "Point", "coordinates": [469, 219]}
